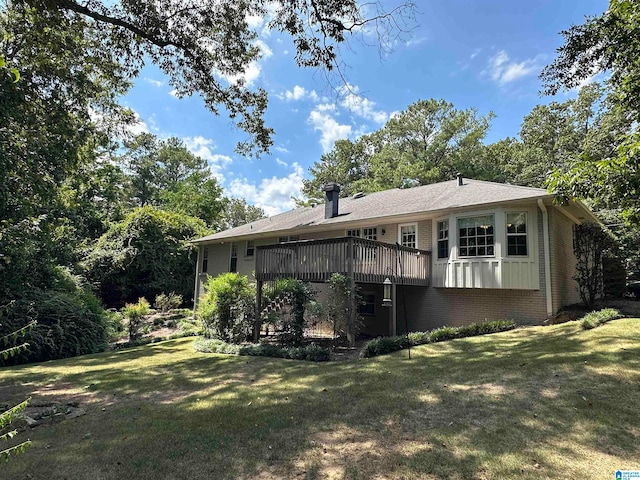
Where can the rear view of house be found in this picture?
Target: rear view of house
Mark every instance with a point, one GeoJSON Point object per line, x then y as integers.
{"type": "Point", "coordinates": [455, 252]}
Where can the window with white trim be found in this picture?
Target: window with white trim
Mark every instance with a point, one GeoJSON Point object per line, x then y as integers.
{"type": "Point", "coordinates": [368, 304]}
{"type": "Point", "coordinates": [517, 234]}
{"type": "Point", "coordinates": [476, 236]}
{"type": "Point", "coordinates": [443, 239]}
{"type": "Point", "coordinates": [205, 259]}
{"type": "Point", "coordinates": [289, 238]}
{"type": "Point", "coordinates": [233, 264]}
{"type": "Point", "coordinates": [409, 235]}
{"type": "Point", "coordinates": [370, 233]}
{"type": "Point", "coordinates": [353, 233]}
{"type": "Point", "coordinates": [251, 248]}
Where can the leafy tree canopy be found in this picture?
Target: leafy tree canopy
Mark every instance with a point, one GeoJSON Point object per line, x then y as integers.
{"type": "Point", "coordinates": [428, 142]}
{"type": "Point", "coordinates": [205, 46]}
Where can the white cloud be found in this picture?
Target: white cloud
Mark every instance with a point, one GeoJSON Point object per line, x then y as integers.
{"type": "Point", "coordinates": [503, 70]}
{"type": "Point", "coordinates": [326, 107]}
{"type": "Point", "coordinates": [271, 194]}
{"type": "Point", "coordinates": [363, 107]}
{"type": "Point", "coordinates": [155, 83]}
{"type": "Point", "coordinates": [299, 93]}
{"type": "Point", "coordinates": [174, 93]}
{"type": "Point", "coordinates": [280, 149]}
{"type": "Point", "coordinates": [329, 128]}
{"type": "Point", "coordinates": [415, 41]}
{"type": "Point", "coordinates": [281, 163]}
{"type": "Point", "coordinates": [202, 147]}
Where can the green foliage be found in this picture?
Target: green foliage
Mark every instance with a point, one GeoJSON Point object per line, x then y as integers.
{"type": "Point", "coordinates": [237, 213]}
{"type": "Point", "coordinates": [298, 294]}
{"type": "Point", "coordinates": [226, 309]}
{"type": "Point", "coordinates": [164, 302]}
{"type": "Point", "coordinates": [144, 255]}
{"type": "Point", "coordinates": [590, 243]}
{"type": "Point", "coordinates": [428, 142]}
{"type": "Point", "coordinates": [312, 352]}
{"type": "Point", "coordinates": [135, 314]}
{"type": "Point", "coordinates": [383, 345]}
{"type": "Point", "coordinates": [344, 296]}
{"type": "Point", "coordinates": [114, 324]}
{"type": "Point", "coordinates": [614, 277]}
{"type": "Point", "coordinates": [597, 318]}
{"type": "Point", "coordinates": [6, 435]}
{"type": "Point", "coordinates": [70, 320]}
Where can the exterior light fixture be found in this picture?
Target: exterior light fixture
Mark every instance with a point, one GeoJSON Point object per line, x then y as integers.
{"type": "Point", "coordinates": [386, 293]}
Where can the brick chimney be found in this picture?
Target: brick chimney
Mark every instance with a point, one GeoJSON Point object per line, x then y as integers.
{"type": "Point", "coordinates": [332, 194]}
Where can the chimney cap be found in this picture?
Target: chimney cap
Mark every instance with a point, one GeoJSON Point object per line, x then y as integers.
{"type": "Point", "coordinates": [331, 187]}
{"type": "Point", "coordinates": [460, 179]}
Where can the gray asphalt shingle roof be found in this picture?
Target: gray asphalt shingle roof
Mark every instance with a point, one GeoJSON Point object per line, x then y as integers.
{"type": "Point", "coordinates": [394, 202]}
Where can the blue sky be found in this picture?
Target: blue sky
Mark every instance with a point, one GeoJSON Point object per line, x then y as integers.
{"type": "Point", "coordinates": [475, 54]}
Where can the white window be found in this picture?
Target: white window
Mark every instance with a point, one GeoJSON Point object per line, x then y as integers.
{"type": "Point", "coordinates": [370, 233]}
{"type": "Point", "coordinates": [353, 233]}
{"type": "Point", "coordinates": [476, 236]}
{"type": "Point", "coordinates": [443, 239]}
{"type": "Point", "coordinates": [251, 248]}
{"type": "Point", "coordinates": [205, 259]}
{"type": "Point", "coordinates": [233, 264]}
{"type": "Point", "coordinates": [288, 238]}
{"type": "Point", "coordinates": [408, 235]}
{"type": "Point", "coordinates": [517, 234]}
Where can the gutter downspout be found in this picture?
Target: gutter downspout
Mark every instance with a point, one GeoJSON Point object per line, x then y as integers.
{"type": "Point", "coordinates": [197, 287]}
{"type": "Point", "coordinates": [547, 258]}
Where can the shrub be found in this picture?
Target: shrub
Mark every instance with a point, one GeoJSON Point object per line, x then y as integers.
{"type": "Point", "coordinates": [115, 324]}
{"type": "Point", "coordinates": [313, 352]}
{"type": "Point", "coordinates": [135, 313]}
{"type": "Point", "coordinates": [164, 302]}
{"type": "Point", "coordinates": [590, 243]}
{"type": "Point", "coordinates": [70, 321]}
{"type": "Point", "coordinates": [382, 345]}
{"type": "Point", "coordinates": [226, 310]}
{"type": "Point", "coordinates": [298, 295]}
{"type": "Point", "coordinates": [344, 295]}
{"type": "Point", "coordinates": [596, 318]}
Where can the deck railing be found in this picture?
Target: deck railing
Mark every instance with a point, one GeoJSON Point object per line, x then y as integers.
{"type": "Point", "coordinates": [365, 261]}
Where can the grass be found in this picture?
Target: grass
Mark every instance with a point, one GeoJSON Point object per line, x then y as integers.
{"type": "Point", "coordinates": [533, 403]}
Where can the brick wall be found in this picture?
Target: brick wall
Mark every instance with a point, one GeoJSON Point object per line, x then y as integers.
{"type": "Point", "coordinates": [563, 260]}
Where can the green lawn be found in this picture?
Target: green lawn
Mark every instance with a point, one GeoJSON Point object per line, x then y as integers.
{"type": "Point", "coordinates": [544, 402]}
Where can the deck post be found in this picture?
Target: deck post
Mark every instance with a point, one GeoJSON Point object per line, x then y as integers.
{"type": "Point", "coordinates": [393, 313]}
{"type": "Point", "coordinates": [257, 322]}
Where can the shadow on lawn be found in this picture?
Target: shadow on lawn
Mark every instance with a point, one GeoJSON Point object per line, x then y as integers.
{"type": "Point", "coordinates": [247, 417]}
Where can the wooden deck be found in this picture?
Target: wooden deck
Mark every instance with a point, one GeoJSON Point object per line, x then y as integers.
{"type": "Point", "coordinates": [366, 261]}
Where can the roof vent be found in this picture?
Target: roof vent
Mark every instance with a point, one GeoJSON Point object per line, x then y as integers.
{"type": "Point", "coordinates": [332, 194]}
{"type": "Point", "coordinates": [460, 179]}
{"type": "Point", "coordinates": [359, 195]}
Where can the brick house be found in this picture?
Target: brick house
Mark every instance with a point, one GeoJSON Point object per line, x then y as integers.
{"type": "Point", "coordinates": [456, 252]}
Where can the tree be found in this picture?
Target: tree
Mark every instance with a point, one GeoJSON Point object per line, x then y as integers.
{"type": "Point", "coordinates": [206, 46]}
{"type": "Point", "coordinates": [429, 142]}
{"type": "Point", "coordinates": [606, 43]}
{"type": "Point", "coordinates": [144, 255]}
{"type": "Point", "coordinates": [238, 212]}
{"type": "Point", "coordinates": [165, 174]}
{"type": "Point", "coordinates": [590, 244]}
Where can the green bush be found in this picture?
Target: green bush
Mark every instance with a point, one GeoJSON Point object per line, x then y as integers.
{"type": "Point", "coordinates": [298, 295]}
{"type": "Point", "coordinates": [596, 318]}
{"type": "Point", "coordinates": [135, 313]}
{"type": "Point", "coordinates": [70, 321]}
{"type": "Point", "coordinates": [115, 324]}
{"type": "Point", "coordinates": [164, 302]}
{"type": "Point", "coordinates": [383, 345]}
{"type": "Point", "coordinates": [226, 309]}
{"type": "Point", "coordinates": [313, 352]}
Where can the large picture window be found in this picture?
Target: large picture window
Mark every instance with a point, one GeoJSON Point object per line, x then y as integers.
{"type": "Point", "coordinates": [517, 234]}
{"type": "Point", "coordinates": [476, 236]}
{"type": "Point", "coordinates": [443, 239]}
{"type": "Point", "coordinates": [409, 235]}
